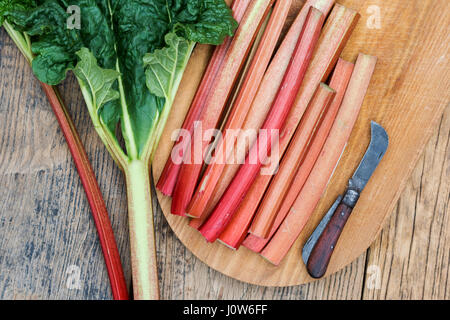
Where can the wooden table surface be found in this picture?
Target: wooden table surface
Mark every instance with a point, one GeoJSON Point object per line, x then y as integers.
{"type": "Point", "coordinates": [49, 248]}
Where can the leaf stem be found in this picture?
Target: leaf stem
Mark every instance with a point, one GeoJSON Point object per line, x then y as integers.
{"type": "Point", "coordinates": [127, 128]}
{"type": "Point", "coordinates": [109, 141]}
{"type": "Point", "coordinates": [21, 40]}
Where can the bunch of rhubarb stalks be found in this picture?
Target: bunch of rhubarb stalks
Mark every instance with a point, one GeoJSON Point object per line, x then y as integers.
{"type": "Point", "coordinates": [297, 87]}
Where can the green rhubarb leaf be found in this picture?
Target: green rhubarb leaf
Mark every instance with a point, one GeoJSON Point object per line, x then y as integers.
{"type": "Point", "coordinates": [99, 81]}
{"type": "Point", "coordinates": [205, 21]}
{"type": "Point", "coordinates": [163, 66]}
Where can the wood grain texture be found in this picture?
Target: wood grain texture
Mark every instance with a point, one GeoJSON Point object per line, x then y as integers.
{"type": "Point", "coordinates": [45, 223]}
{"type": "Point", "coordinates": [407, 95]}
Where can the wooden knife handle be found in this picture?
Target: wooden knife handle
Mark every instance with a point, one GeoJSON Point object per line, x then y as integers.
{"type": "Point", "coordinates": [321, 254]}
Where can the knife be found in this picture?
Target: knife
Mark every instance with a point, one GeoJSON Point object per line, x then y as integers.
{"type": "Point", "coordinates": [320, 246]}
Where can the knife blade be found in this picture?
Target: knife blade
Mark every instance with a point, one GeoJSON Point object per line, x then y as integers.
{"type": "Point", "coordinates": [377, 148]}
{"type": "Point", "coordinates": [323, 241]}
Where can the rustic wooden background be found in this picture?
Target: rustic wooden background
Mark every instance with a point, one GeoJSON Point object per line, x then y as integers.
{"type": "Point", "coordinates": [48, 239]}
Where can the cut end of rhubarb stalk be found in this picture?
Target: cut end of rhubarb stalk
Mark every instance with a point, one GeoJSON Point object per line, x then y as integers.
{"type": "Point", "coordinates": [326, 87]}
{"type": "Point", "coordinates": [167, 185]}
{"type": "Point", "coordinates": [254, 244]}
{"type": "Point", "coordinates": [227, 245]}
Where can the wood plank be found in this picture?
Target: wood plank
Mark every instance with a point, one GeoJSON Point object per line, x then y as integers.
{"type": "Point", "coordinates": [408, 93]}
{"type": "Point", "coordinates": [411, 256]}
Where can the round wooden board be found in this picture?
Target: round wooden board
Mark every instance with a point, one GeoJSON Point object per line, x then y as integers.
{"type": "Point", "coordinates": [409, 130]}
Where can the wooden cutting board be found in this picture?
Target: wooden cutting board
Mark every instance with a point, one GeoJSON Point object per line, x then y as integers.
{"type": "Point", "coordinates": [407, 95]}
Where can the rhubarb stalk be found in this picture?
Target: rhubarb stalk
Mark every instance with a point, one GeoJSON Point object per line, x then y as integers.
{"type": "Point", "coordinates": [169, 175]}
{"type": "Point", "coordinates": [323, 169]}
{"type": "Point", "coordinates": [238, 227]}
{"type": "Point", "coordinates": [240, 108]}
{"type": "Point", "coordinates": [293, 78]}
{"type": "Point", "coordinates": [336, 32]}
{"type": "Point", "coordinates": [339, 82]}
{"type": "Point", "coordinates": [264, 99]}
{"type": "Point", "coordinates": [216, 101]}
{"type": "Point", "coordinates": [142, 234]}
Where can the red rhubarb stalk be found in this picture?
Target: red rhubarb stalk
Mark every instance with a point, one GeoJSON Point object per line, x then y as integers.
{"type": "Point", "coordinates": [281, 182]}
{"type": "Point", "coordinates": [284, 100]}
{"type": "Point", "coordinates": [246, 68]}
{"type": "Point", "coordinates": [323, 169]}
{"type": "Point", "coordinates": [339, 82]}
{"type": "Point", "coordinates": [216, 101]}
{"type": "Point", "coordinates": [240, 108]}
{"type": "Point", "coordinates": [237, 229]}
{"type": "Point", "coordinates": [264, 99]}
{"type": "Point", "coordinates": [93, 193]}
{"type": "Point", "coordinates": [168, 178]}
{"type": "Point", "coordinates": [336, 32]}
